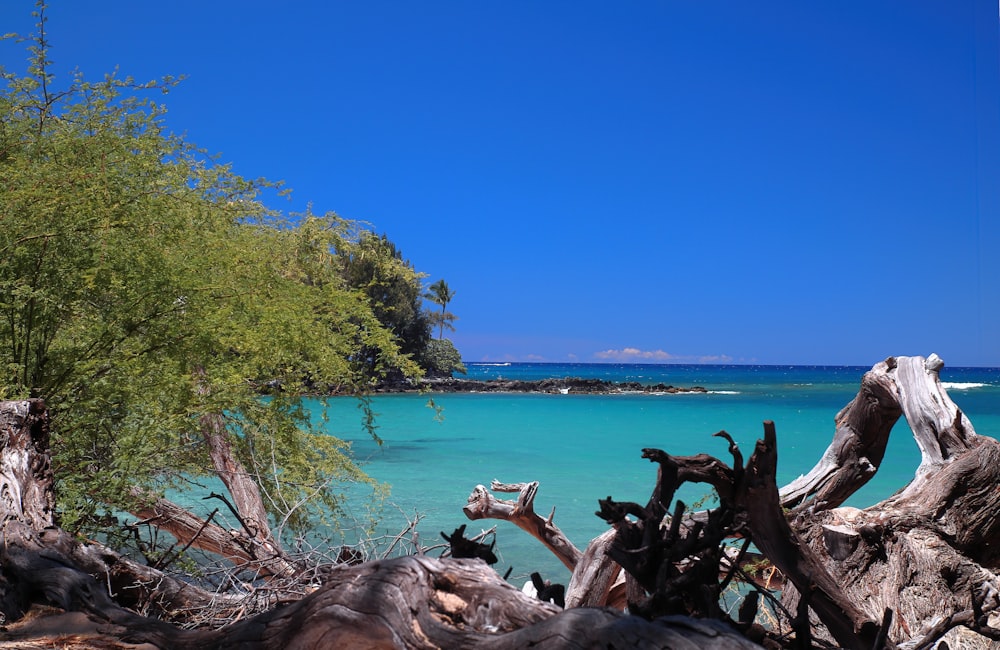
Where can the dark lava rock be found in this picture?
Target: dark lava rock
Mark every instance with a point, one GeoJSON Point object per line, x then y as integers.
{"type": "Point", "coordinates": [565, 385]}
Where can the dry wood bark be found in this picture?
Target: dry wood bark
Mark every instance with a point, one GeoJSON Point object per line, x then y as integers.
{"type": "Point", "coordinates": [483, 505]}
{"type": "Point", "coordinates": [188, 528]}
{"type": "Point", "coordinates": [776, 539]}
{"type": "Point", "coordinates": [597, 580]}
{"type": "Point", "coordinates": [25, 471]}
{"type": "Point", "coordinates": [73, 591]}
{"type": "Point", "coordinates": [857, 449]}
{"type": "Point", "coordinates": [238, 546]}
{"type": "Point", "coordinates": [901, 572]}
{"type": "Point", "coordinates": [929, 553]}
{"type": "Point", "coordinates": [26, 513]}
{"type": "Point", "coordinates": [259, 541]}
{"type": "Point", "coordinates": [411, 603]}
{"type": "Point", "coordinates": [892, 573]}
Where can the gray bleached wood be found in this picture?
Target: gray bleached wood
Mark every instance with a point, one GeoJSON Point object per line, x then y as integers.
{"type": "Point", "coordinates": [907, 386]}
{"type": "Point", "coordinates": [409, 602]}
{"type": "Point", "coordinates": [927, 554]}
{"type": "Point", "coordinates": [858, 446]}
{"type": "Point", "coordinates": [25, 470]}
{"type": "Point", "coordinates": [597, 580]}
{"type": "Point", "coordinates": [483, 505]}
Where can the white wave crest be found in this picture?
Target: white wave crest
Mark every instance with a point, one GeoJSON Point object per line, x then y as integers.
{"type": "Point", "coordinates": [694, 392]}
{"type": "Point", "coordinates": [958, 385]}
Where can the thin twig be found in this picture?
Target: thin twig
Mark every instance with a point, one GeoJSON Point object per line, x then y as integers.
{"type": "Point", "coordinates": [162, 562]}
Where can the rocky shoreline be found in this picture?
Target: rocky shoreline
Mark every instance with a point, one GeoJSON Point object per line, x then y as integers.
{"type": "Point", "coordinates": [565, 385]}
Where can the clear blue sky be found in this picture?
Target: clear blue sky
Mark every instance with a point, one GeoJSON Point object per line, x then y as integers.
{"type": "Point", "coordinates": [780, 182]}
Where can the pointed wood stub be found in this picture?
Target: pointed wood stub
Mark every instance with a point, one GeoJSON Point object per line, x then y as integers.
{"type": "Point", "coordinates": [26, 484]}
{"type": "Point", "coordinates": [907, 386]}
{"type": "Point", "coordinates": [940, 428]}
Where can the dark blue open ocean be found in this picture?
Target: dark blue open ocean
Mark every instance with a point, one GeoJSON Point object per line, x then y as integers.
{"type": "Point", "coordinates": [582, 448]}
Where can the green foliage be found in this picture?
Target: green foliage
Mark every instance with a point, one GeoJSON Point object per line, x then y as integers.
{"type": "Point", "coordinates": [143, 285]}
{"type": "Point", "coordinates": [441, 294]}
{"type": "Point", "coordinates": [441, 358]}
{"type": "Point", "coordinates": [373, 266]}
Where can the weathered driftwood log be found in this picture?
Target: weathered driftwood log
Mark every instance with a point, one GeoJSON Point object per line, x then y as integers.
{"type": "Point", "coordinates": [931, 551]}
{"type": "Point", "coordinates": [26, 511]}
{"type": "Point", "coordinates": [597, 580]}
{"type": "Point", "coordinates": [776, 539]}
{"type": "Point", "coordinates": [406, 603]}
{"type": "Point", "coordinates": [681, 562]}
{"type": "Point", "coordinates": [75, 594]}
{"type": "Point", "coordinates": [857, 449]}
{"type": "Point", "coordinates": [25, 472]}
{"type": "Point", "coordinates": [483, 505]}
{"type": "Point", "coordinates": [908, 386]}
{"type": "Point", "coordinates": [903, 571]}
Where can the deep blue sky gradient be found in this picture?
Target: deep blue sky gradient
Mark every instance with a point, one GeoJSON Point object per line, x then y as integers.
{"type": "Point", "coordinates": [783, 182]}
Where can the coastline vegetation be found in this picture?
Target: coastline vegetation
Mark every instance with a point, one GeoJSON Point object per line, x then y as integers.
{"type": "Point", "coordinates": [149, 296]}
{"type": "Point", "coordinates": [147, 291]}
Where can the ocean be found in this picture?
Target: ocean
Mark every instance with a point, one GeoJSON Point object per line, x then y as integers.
{"type": "Point", "coordinates": [581, 448]}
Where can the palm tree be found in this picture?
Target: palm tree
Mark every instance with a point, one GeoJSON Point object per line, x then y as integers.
{"type": "Point", "coordinates": [441, 294]}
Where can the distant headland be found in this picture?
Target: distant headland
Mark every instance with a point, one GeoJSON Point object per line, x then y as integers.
{"type": "Point", "coordinates": [565, 385]}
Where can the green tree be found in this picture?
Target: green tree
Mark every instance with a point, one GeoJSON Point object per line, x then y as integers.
{"type": "Point", "coordinates": [441, 294]}
{"type": "Point", "coordinates": [147, 293]}
{"type": "Point", "coordinates": [442, 359]}
{"type": "Point", "coordinates": [373, 265]}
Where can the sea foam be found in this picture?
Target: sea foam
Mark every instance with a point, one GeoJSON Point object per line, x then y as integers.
{"type": "Point", "coordinates": [962, 385]}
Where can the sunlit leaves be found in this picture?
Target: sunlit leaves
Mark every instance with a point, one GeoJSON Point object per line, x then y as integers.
{"type": "Point", "coordinates": [128, 258]}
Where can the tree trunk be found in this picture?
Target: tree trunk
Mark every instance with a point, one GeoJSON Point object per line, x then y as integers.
{"type": "Point", "coordinates": [258, 540]}
{"type": "Point", "coordinates": [25, 472]}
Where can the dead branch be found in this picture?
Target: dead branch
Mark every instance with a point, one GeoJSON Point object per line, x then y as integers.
{"type": "Point", "coordinates": [521, 513]}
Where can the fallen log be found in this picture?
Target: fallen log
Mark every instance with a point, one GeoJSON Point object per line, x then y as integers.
{"type": "Point", "coordinates": [908, 386]}
{"type": "Point", "coordinates": [58, 589]}
{"type": "Point", "coordinates": [411, 602]}
{"type": "Point", "coordinates": [901, 573]}
{"type": "Point", "coordinates": [929, 552]}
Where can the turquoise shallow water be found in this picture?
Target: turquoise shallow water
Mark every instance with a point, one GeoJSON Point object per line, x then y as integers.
{"type": "Point", "coordinates": [585, 447]}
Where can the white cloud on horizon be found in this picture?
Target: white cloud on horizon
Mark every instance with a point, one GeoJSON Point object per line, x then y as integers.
{"type": "Point", "coordinates": [626, 355]}
{"type": "Point", "coordinates": [632, 354]}
{"type": "Point", "coordinates": [715, 358]}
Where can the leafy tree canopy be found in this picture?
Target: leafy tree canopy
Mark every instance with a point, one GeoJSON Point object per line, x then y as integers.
{"type": "Point", "coordinates": [441, 358]}
{"type": "Point", "coordinates": [143, 285]}
{"type": "Point", "coordinates": [374, 266]}
{"type": "Point", "coordinates": [441, 294]}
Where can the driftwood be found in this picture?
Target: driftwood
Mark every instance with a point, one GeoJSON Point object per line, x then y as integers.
{"type": "Point", "coordinates": [409, 602]}
{"type": "Point", "coordinates": [902, 573]}
{"type": "Point", "coordinates": [483, 505]}
{"type": "Point", "coordinates": [59, 590]}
